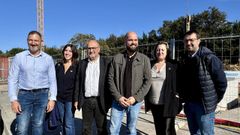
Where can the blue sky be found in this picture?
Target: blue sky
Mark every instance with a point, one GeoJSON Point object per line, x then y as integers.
{"type": "Point", "coordinates": [65, 18]}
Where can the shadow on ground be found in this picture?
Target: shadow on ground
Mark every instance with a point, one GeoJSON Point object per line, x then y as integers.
{"type": "Point", "coordinates": [78, 129]}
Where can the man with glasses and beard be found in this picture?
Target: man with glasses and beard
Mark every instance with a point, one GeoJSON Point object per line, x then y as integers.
{"type": "Point", "coordinates": [32, 86]}
{"type": "Point", "coordinates": [129, 81]}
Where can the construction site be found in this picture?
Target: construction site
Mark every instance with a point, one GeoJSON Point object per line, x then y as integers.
{"type": "Point", "coordinates": [227, 121]}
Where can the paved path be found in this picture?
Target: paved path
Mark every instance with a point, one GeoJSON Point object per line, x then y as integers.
{"type": "Point", "coordinates": [144, 126]}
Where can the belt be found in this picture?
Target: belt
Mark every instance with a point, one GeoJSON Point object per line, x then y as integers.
{"type": "Point", "coordinates": [92, 97]}
{"type": "Point", "coordinates": [34, 90]}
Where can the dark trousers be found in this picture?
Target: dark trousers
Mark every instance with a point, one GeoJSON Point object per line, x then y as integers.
{"type": "Point", "coordinates": [1, 124]}
{"type": "Point", "coordinates": [91, 111]}
{"type": "Point", "coordinates": [163, 125]}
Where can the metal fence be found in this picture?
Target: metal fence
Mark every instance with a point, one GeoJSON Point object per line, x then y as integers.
{"type": "Point", "coordinates": [227, 48]}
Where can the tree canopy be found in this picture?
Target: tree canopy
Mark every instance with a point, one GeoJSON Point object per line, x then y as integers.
{"type": "Point", "coordinates": [80, 39]}
{"type": "Point", "coordinates": [210, 23]}
{"type": "Point", "coordinates": [14, 51]}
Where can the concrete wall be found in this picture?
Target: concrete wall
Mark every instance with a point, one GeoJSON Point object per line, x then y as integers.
{"type": "Point", "coordinates": [232, 91]}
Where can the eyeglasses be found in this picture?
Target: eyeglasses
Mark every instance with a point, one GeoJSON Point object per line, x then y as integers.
{"type": "Point", "coordinates": [191, 40]}
{"type": "Point", "coordinates": [92, 48]}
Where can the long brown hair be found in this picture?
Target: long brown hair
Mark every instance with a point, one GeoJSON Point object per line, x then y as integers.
{"type": "Point", "coordinates": [74, 53]}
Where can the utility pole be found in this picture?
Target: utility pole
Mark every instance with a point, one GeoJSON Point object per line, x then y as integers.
{"type": "Point", "coordinates": [188, 18]}
{"type": "Point", "coordinates": [188, 23]}
{"type": "Point", "coordinates": [40, 19]}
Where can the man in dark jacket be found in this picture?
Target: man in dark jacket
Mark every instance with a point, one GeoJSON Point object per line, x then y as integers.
{"type": "Point", "coordinates": [203, 84]}
{"type": "Point", "coordinates": [91, 92]}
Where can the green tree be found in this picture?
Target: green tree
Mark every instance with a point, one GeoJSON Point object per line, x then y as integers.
{"type": "Point", "coordinates": [236, 28]}
{"type": "Point", "coordinates": [54, 52]}
{"type": "Point", "coordinates": [152, 36]}
{"type": "Point", "coordinates": [178, 28]}
{"type": "Point", "coordinates": [172, 29]}
{"type": "Point", "coordinates": [80, 39]}
{"type": "Point", "coordinates": [14, 51]}
{"type": "Point", "coordinates": [210, 23]}
{"type": "Point", "coordinates": [115, 44]}
{"type": "Point", "coordinates": [165, 31]}
{"type": "Point", "coordinates": [105, 50]}
{"type": "Point", "coordinates": [2, 53]}
{"type": "Point", "coordinates": [144, 39]}
{"type": "Point", "coordinates": [112, 41]}
{"type": "Point", "coordinates": [120, 41]}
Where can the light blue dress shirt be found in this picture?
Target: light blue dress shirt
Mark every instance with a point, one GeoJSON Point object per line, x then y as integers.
{"type": "Point", "coordinates": [32, 72]}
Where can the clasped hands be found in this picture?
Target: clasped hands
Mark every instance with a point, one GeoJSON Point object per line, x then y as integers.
{"type": "Point", "coordinates": [126, 102]}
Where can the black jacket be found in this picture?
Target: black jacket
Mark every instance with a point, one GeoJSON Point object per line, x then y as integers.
{"type": "Point", "coordinates": [208, 77]}
{"type": "Point", "coordinates": [105, 97]}
{"type": "Point", "coordinates": [65, 82]}
{"type": "Point", "coordinates": [171, 100]}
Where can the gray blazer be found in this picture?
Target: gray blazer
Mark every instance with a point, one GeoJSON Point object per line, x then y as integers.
{"type": "Point", "coordinates": [141, 76]}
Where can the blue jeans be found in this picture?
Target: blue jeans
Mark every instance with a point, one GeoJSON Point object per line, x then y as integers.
{"type": "Point", "coordinates": [33, 106]}
{"type": "Point", "coordinates": [199, 123]}
{"type": "Point", "coordinates": [67, 116]}
{"type": "Point", "coordinates": [117, 114]}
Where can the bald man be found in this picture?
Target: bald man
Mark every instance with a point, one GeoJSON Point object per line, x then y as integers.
{"type": "Point", "coordinates": [129, 81]}
{"type": "Point", "coordinates": [91, 93]}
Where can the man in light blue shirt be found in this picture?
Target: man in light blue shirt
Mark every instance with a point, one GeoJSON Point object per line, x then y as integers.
{"type": "Point", "coordinates": [32, 86]}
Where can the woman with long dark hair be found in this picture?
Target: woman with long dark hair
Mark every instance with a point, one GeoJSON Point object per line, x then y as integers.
{"type": "Point", "coordinates": [66, 74]}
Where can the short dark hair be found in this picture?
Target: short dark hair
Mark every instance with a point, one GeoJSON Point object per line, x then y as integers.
{"type": "Point", "coordinates": [35, 32]}
{"type": "Point", "coordinates": [74, 52]}
{"type": "Point", "coordinates": [191, 32]}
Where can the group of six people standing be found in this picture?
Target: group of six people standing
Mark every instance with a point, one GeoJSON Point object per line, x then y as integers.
{"type": "Point", "coordinates": [98, 83]}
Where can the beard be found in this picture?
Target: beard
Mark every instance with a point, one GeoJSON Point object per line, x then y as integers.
{"type": "Point", "coordinates": [132, 48]}
{"type": "Point", "coordinates": [34, 49]}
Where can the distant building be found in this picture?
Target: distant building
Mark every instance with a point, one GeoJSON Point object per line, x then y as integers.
{"type": "Point", "coordinates": [4, 66]}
